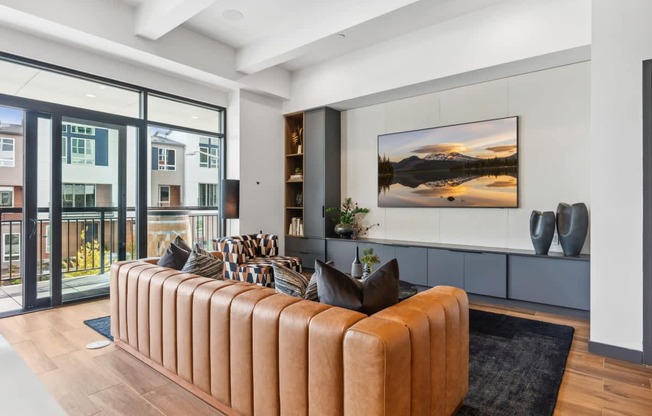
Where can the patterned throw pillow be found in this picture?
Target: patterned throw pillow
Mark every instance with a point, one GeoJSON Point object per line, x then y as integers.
{"type": "Point", "coordinates": [204, 265]}
{"type": "Point", "coordinates": [311, 290]}
{"type": "Point", "coordinates": [200, 250]}
{"type": "Point", "coordinates": [289, 282]}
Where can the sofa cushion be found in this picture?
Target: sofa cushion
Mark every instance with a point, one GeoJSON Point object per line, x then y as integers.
{"type": "Point", "coordinates": [205, 265]}
{"type": "Point", "coordinates": [376, 292]}
{"type": "Point", "coordinates": [174, 257]}
{"type": "Point", "coordinates": [289, 282]}
{"type": "Point", "coordinates": [180, 242]}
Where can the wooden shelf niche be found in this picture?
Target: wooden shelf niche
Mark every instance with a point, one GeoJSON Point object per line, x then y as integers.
{"type": "Point", "coordinates": [294, 168]}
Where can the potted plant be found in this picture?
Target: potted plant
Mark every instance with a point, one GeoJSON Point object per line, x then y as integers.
{"type": "Point", "coordinates": [346, 217]}
{"type": "Point", "coordinates": [369, 259]}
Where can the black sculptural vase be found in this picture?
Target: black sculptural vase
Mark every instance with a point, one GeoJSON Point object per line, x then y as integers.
{"type": "Point", "coordinates": [572, 226]}
{"type": "Point", "coordinates": [542, 229]}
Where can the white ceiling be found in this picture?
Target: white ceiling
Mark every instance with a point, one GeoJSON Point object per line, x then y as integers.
{"type": "Point", "coordinates": [295, 34]}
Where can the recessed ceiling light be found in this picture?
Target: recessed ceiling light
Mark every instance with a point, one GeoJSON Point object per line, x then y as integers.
{"type": "Point", "coordinates": [194, 117]}
{"type": "Point", "coordinates": [232, 14]}
{"type": "Point", "coordinates": [341, 35]}
{"type": "Point", "coordinates": [91, 95]}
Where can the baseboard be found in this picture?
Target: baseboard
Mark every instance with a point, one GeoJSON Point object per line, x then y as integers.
{"type": "Point", "coordinates": [618, 353]}
{"type": "Point", "coordinates": [539, 307]}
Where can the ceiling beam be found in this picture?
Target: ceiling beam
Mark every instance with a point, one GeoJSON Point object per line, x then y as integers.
{"type": "Point", "coordinates": [155, 18]}
{"type": "Point", "coordinates": [275, 50]}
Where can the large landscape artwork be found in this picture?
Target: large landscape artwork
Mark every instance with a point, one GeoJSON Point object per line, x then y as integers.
{"type": "Point", "coordinates": [466, 165]}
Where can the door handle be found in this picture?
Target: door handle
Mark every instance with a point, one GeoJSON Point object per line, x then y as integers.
{"type": "Point", "coordinates": [34, 227]}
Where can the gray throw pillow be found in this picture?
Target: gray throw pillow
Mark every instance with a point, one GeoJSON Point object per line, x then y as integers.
{"type": "Point", "coordinates": [376, 292]}
{"type": "Point", "coordinates": [180, 242]}
{"type": "Point", "coordinates": [205, 265]}
{"type": "Point", "coordinates": [174, 257]}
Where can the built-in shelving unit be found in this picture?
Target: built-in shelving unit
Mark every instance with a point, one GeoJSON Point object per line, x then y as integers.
{"type": "Point", "coordinates": [294, 164]}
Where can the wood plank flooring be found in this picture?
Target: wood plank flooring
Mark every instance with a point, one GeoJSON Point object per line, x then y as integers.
{"type": "Point", "coordinates": [111, 382]}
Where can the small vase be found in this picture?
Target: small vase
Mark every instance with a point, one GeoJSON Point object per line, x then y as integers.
{"type": "Point", "coordinates": [299, 149]}
{"type": "Point", "coordinates": [356, 266]}
{"type": "Point", "coordinates": [366, 271]}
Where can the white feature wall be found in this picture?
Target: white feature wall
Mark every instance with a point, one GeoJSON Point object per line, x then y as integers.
{"type": "Point", "coordinates": [261, 165]}
{"type": "Point", "coordinates": [553, 109]}
{"type": "Point", "coordinates": [622, 40]}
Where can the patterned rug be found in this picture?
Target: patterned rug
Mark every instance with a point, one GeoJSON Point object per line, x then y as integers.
{"type": "Point", "coordinates": [101, 325]}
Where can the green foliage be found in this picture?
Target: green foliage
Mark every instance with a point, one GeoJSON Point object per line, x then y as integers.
{"type": "Point", "coordinates": [369, 257]}
{"type": "Point", "coordinates": [87, 260]}
{"type": "Point", "coordinates": [347, 211]}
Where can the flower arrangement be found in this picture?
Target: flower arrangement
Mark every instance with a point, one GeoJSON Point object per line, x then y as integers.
{"type": "Point", "coordinates": [347, 211]}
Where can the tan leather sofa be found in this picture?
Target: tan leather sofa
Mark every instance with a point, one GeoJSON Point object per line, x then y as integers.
{"type": "Point", "coordinates": [247, 350]}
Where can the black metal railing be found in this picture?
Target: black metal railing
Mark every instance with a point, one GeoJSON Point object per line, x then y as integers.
{"type": "Point", "coordinates": [89, 240]}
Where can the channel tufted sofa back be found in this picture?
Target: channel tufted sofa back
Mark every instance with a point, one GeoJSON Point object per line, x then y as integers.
{"type": "Point", "coordinates": [247, 350]}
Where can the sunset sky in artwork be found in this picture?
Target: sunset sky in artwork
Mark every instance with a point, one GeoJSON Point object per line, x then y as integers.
{"type": "Point", "coordinates": [484, 139]}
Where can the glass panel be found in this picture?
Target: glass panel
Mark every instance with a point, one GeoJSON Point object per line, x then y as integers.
{"type": "Point", "coordinates": [90, 207]}
{"type": "Point", "coordinates": [11, 202]}
{"type": "Point", "coordinates": [179, 203]}
{"type": "Point", "coordinates": [169, 111]}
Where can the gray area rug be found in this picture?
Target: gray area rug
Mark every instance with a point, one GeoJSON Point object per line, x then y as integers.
{"type": "Point", "coordinates": [515, 365]}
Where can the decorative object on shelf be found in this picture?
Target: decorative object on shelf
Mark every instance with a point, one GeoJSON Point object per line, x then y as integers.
{"type": "Point", "coordinates": [297, 176]}
{"type": "Point", "coordinates": [297, 138]}
{"type": "Point", "coordinates": [572, 226]}
{"type": "Point", "coordinates": [296, 227]}
{"type": "Point", "coordinates": [362, 230]}
{"type": "Point", "coordinates": [369, 259]}
{"type": "Point", "coordinates": [542, 229]}
{"type": "Point", "coordinates": [347, 213]}
{"type": "Point", "coordinates": [298, 199]}
{"type": "Point", "coordinates": [356, 266]}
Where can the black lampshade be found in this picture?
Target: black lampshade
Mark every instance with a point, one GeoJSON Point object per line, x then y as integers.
{"type": "Point", "coordinates": [231, 198]}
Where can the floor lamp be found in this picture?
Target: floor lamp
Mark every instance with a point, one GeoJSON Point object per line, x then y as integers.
{"type": "Point", "coordinates": [230, 200]}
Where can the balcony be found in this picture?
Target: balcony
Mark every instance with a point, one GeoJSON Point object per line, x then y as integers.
{"type": "Point", "coordinates": [89, 245]}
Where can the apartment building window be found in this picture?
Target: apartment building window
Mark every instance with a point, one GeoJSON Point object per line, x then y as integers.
{"type": "Point", "coordinates": [164, 196]}
{"type": "Point", "coordinates": [64, 148]}
{"type": "Point", "coordinates": [82, 151]}
{"type": "Point", "coordinates": [10, 247]}
{"type": "Point", "coordinates": [6, 198]}
{"type": "Point", "coordinates": [167, 159]}
{"type": "Point", "coordinates": [78, 195]}
{"type": "Point", "coordinates": [208, 195]}
{"type": "Point", "coordinates": [7, 154]}
{"type": "Point", "coordinates": [208, 152]}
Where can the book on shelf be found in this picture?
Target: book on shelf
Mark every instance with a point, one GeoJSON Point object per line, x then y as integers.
{"type": "Point", "coordinates": [296, 177]}
{"type": "Point", "coordinates": [296, 227]}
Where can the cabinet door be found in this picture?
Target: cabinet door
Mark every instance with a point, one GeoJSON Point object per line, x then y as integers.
{"type": "Point", "coordinates": [413, 264]}
{"type": "Point", "coordinates": [332, 157]}
{"type": "Point", "coordinates": [384, 252]}
{"type": "Point", "coordinates": [552, 281]}
{"type": "Point", "coordinates": [485, 274]}
{"type": "Point", "coordinates": [314, 137]}
{"type": "Point", "coordinates": [445, 267]}
{"type": "Point", "coordinates": [342, 253]}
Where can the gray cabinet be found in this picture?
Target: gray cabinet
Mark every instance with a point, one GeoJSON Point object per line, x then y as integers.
{"type": "Point", "coordinates": [413, 264]}
{"type": "Point", "coordinates": [321, 138]}
{"type": "Point", "coordinates": [551, 281]}
{"type": "Point", "coordinates": [485, 274]}
{"type": "Point", "coordinates": [307, 249]}
{"type": "Point", "coordinates": [445, 267]}
{"type": "Point", "coordinates": [341, 252]}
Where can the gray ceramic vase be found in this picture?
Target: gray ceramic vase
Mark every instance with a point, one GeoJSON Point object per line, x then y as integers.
{"type": "Point", "coordinates": [572, 226]}
{"type": "Point", "coordinates": [542, 229]}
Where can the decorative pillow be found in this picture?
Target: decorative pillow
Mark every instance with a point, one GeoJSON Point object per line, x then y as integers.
{"type": "Point", "coordinates": [376, 292]}
{"type": "Point", "coordinates": [174, 257]}
{"type": "Point", "coordinates": [180, 242]}
{"type": "Point", "coordinates": [205, 265]}
{"type": "Point", "coordinates": [200, 250]}
{"type": "Point", "coordinates": [289, 282]}
{"type": "Point", "coordinates": [311, 291]}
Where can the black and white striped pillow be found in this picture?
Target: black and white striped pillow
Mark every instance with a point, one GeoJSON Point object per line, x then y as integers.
{"type": "Point", "coordinates": [289, 282]}
{"type": "Point", "coordinates": [311, 290]}
{"type": "Point", "coordinates": [205, 265]}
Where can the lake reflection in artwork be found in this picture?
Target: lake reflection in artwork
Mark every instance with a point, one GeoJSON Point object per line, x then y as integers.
{"type": "Point", "coordinates": [469, 165]}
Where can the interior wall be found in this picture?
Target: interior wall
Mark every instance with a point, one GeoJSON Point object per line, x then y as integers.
{"type": "Point", "coordinates": [622, 40]}
{"type": "Point", "coordinates": [553, 109]}
{"type": "Point", "coordinates": [261, 165]}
